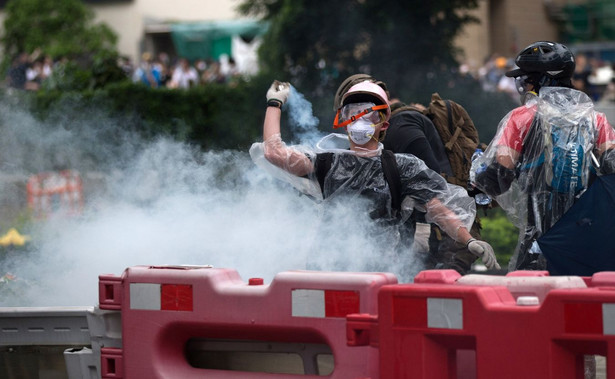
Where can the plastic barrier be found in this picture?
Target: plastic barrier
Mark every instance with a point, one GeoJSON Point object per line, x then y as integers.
{"type": "Point", "coordinates": [189, 322]}
{"type": "Point", "coordinates": [55, 192]}
{"type": "Point", "coordinates": [105, 332]}
{"type": "Point", "coordinates": [542, 327]}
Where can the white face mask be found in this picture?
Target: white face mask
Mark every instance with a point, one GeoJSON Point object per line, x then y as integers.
{"type": "Point", "coordinates": [361, 131]}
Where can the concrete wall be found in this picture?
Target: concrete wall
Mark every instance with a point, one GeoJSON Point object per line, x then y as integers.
{"type": "Point", "coordinates": [526, 22]}
{"type": "Point", "coordinates": [130, 20]}
{"type": "Point", "coordinates": [506, 27]}
{"type": "Point", "coordinates": [474, 39]}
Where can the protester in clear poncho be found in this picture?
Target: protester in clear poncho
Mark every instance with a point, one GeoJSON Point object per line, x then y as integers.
{"type": "Point", "coordinates": [545, 152]}
{"type": "Point", "coordinates": [356, 171]}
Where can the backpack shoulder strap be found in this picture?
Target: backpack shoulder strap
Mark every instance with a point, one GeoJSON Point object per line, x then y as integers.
{"type": "Point", "coordinates": [322, 166]}
{"type": "Point", "coordinates": [406, 108]}
{"type": "Point", "coordinates": [391, 175]}
{"type": "Point", "coordinates": [532, 153]}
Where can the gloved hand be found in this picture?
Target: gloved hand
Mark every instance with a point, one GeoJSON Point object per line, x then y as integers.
{"type": "Point", "coordinates": [484, 251]}
{"type": "Point", "coordinates": [421, 238]}
{"type": "Point", "coordinates": [278, 93]}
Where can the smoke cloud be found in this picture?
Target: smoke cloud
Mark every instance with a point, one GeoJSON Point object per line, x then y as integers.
{"type": "Point", "coordinates": [161, 202]}
{"type": "Point", "coordinates": [302, 121]}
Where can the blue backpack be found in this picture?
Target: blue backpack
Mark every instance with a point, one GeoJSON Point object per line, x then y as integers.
{"type": "Point", "coordinates": [556, 152]}
{"type": "Point", "coordinates": [566, 168]}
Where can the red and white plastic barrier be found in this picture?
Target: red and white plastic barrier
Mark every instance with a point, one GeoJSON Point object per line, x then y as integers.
{"type": "Point", "coordinates": [165, 309]}
{"type": "Point", "coordinates": [524, 325]}
{"type": "Point", "coordinates": [55, 192]}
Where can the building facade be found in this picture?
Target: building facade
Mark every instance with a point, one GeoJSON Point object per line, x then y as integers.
{"type": "Point", "coordinates": [143, 25]}
{"type": "Point", "coordinates": [506, 27]}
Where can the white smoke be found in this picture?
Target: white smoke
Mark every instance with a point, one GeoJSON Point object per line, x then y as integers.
{"type": "Point", "coordinates": [302, 121]}
{"type": "Point", "coordinates": [159, 202]}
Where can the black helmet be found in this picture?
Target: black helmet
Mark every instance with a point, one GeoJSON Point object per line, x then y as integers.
{"type": "Point", "coordinates": [547, 58]}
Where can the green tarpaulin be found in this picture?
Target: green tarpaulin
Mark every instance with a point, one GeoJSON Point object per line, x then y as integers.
{"type": "Point", "coordinates": [201, 40]}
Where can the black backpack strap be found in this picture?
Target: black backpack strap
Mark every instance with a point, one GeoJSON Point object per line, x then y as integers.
{"type": "Point", "coordinates": [391, 175]}
{"type": "Point", "coordinates": [532, 143]}
{"type": "Point", "coordinates": [322, 167]}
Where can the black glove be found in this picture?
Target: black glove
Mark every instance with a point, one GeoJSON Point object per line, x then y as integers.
{"type": "Point", "coordinates": [495, 179]}
{"type": "Point", "coordinates": [607, 162]}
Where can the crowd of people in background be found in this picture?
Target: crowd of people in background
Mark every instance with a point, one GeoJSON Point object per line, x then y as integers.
{"type": "Point", "coordinates": [29, 71]}
{"type": "Point", "coordinates": [592, 75]}
{"type": "Point", "coordinates": [161, 71]}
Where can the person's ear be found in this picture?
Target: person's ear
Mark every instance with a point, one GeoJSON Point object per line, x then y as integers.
{"type": "Point", "coordinates": [384, 126]}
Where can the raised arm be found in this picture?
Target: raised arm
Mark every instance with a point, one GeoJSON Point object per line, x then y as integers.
{"type": "Point", "coordinates": [276, 151]}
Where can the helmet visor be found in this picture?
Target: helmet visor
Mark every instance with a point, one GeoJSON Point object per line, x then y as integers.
{"type": "Point", "coordinates": [353, 111]}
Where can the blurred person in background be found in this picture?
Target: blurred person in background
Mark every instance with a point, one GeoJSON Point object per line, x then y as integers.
{"type": "Point", "coordinates": [147, 72]}
{"type": "Point", "coordinates": [16, 76]}
{"type": "Point", "coordinates": [34, 75]}
{"type": "Point", "coordinates": [213, 73]}
{"type": "Point", "coordinates": [581, 73]}
{"type": "Point", "coordinates": [184, 75]}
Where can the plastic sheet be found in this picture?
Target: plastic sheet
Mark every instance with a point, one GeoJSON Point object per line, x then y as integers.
{"type": "Point", "coordinates": [359, 174]}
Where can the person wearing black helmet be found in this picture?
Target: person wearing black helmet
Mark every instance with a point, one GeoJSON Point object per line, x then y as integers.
{"type": "Point", "coordinates": [546, 152]}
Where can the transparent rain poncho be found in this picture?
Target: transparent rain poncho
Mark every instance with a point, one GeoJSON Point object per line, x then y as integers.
{"type": "Point", "coordinates": [358, 176]}
{"type": "Point", "coordinates": [547, 144]}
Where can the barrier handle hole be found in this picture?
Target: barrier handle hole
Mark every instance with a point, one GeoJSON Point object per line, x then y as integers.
{"type": "Point", "coordinates": [111, 366]}
{"type": "Point", "coordinates": [109, 292]}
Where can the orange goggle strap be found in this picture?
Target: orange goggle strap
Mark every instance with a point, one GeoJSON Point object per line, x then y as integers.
{"type": "Point", "coordinates": [357, 116]}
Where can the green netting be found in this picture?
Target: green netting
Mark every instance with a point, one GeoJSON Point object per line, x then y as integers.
{"type": "Point", "coordinates": [201, 40]}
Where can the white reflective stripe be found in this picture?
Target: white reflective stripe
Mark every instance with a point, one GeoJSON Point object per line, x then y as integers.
{"type": "Point", "coordinates": [608, 318]}
{"type": "Point", "coordinates": [444, 313]}
{"type": "Point", "coordinates": [308, 303]}
{"type": "Point", "coordinates": [145, 296]}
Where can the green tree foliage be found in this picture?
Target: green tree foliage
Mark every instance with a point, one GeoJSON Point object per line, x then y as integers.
{"type": "Point", "coordinates": [315, 44]}
{"type": "Point", "coordinates": [313, 41]}
{"type": "Point", "coordinates": [62, 29]}
{"type": "Point", "coordinates": [212, 117]}
{"type": "Point", "coordinates": [500, 233]}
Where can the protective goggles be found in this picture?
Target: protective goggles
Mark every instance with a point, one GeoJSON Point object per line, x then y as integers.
{"type": "Point", "coordinates": [351, 112]}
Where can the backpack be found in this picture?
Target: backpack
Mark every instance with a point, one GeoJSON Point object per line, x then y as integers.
{"type": "Point", "coordinates": [457, 132]}
{"type": "Point", "coordinates": [566, 161]}
{"type": "Point", "coordinates": [556, 150]}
